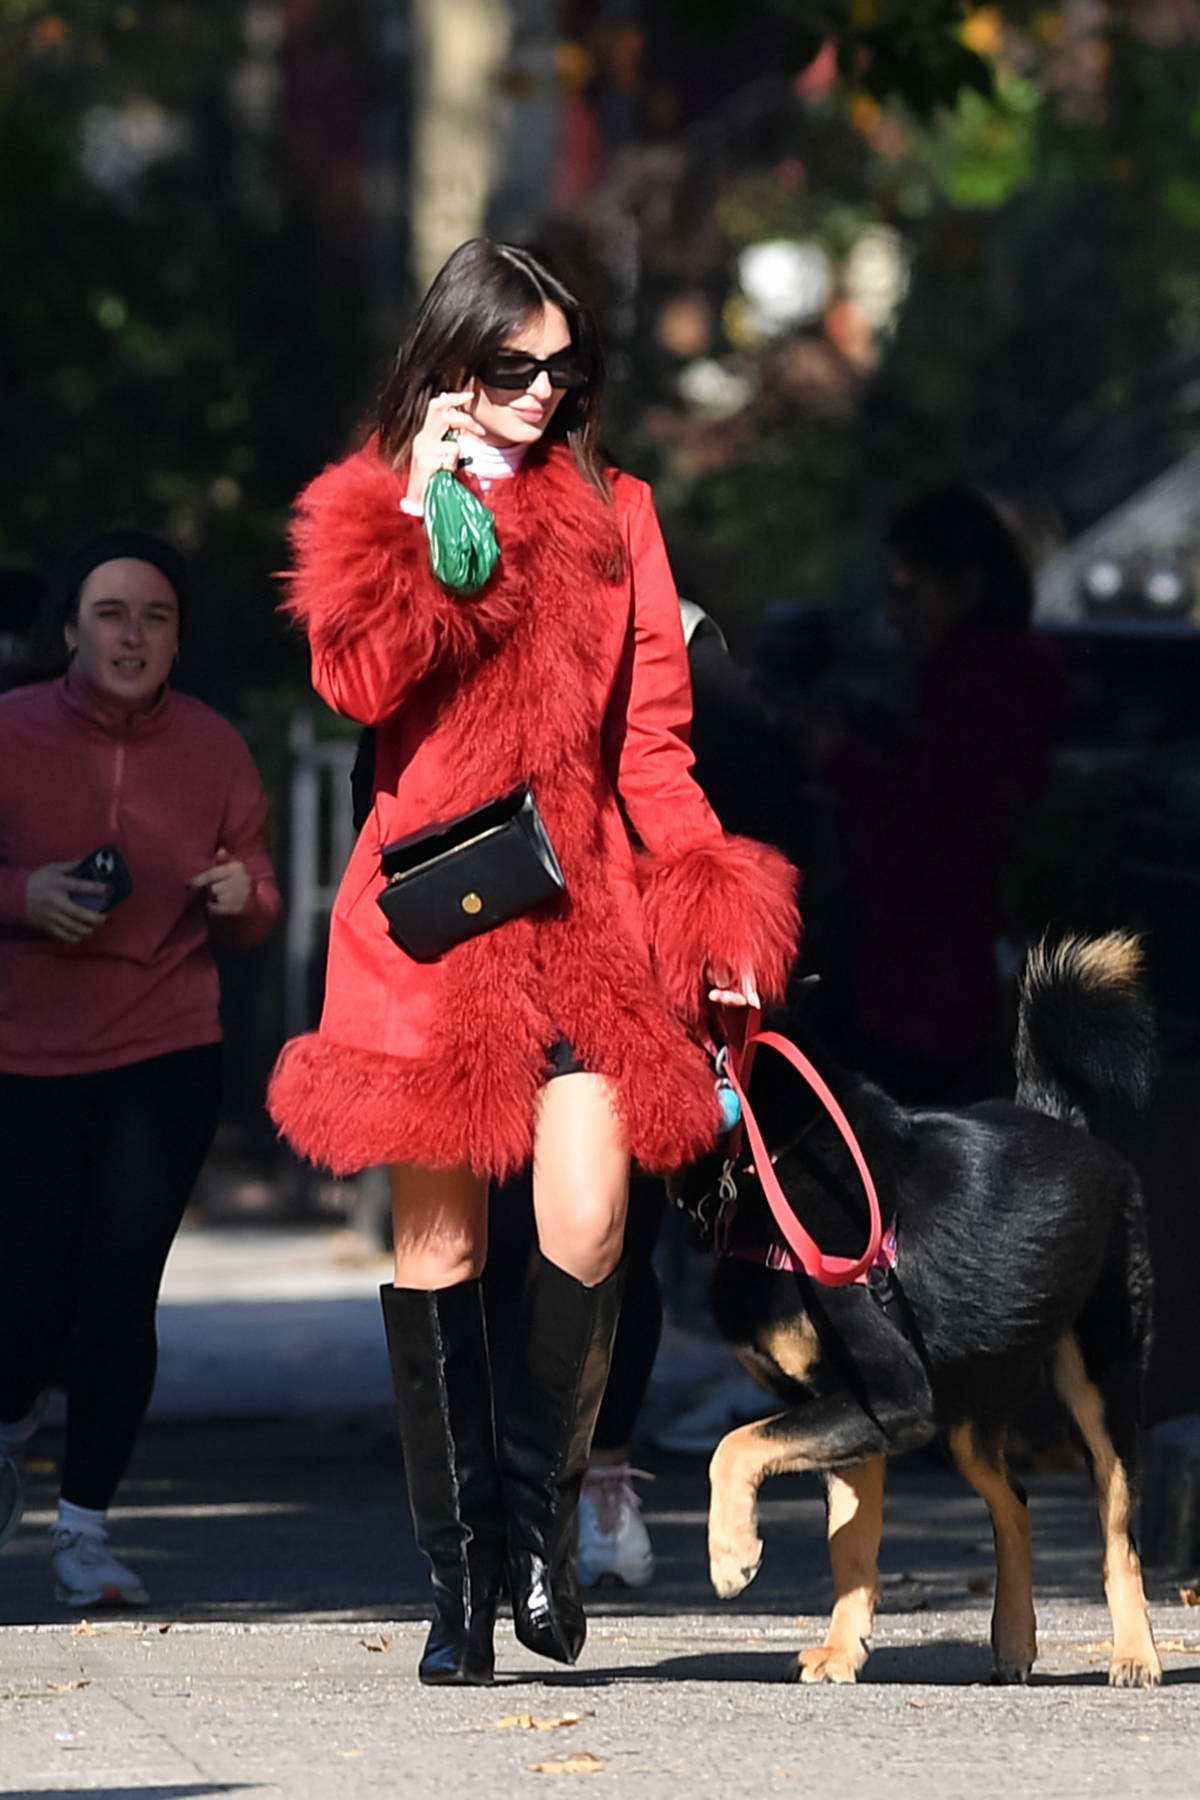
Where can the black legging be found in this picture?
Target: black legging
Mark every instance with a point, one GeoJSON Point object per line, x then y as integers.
{"type": "Point", "coordinates": [510, 1239]}
{"type": "Point", "coordinates": [98, 1169]}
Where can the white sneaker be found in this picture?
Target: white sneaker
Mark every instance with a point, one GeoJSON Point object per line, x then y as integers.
{"type": "Point", "coordinates": [612, 1544]}
{"type": "Point", "coordinates": [12, 1498]}
{"type": "Point", "coordinates": [86, 1573]}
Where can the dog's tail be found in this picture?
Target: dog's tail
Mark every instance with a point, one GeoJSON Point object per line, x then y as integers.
{"type": "Point", "coordinates": [1086, 1040]}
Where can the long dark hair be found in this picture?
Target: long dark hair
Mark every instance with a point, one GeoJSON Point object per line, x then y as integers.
{"type": "Point", "coordinates": [954, 532]}
{"type": "Point", "coordinates": [480, 298]}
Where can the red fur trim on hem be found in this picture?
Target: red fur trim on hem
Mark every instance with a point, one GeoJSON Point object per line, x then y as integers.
{"type": "Point", "coordinates": [732, 905]}
{"type": "Point", "coordinates": [347, 1109]}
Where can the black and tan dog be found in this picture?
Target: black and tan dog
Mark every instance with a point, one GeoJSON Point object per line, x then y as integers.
{"type": "Point", "coordinates": [1020, 1254]}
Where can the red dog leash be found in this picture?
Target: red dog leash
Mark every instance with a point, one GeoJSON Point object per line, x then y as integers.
{"type": "Point", "coordinates": [831, 1271]}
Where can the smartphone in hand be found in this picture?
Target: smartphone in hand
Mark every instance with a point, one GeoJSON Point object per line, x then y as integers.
{"type": "Point", "coordinates": [107, 865]}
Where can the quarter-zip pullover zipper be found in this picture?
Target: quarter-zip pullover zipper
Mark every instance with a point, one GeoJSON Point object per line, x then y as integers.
{"type": "Point", "coordinates": [118, 784]}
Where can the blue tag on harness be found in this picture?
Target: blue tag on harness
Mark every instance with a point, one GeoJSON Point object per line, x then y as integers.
{"type": "Point", "coordinates": [731, 1106]}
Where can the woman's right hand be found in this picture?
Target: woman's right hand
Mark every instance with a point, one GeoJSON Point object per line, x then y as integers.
{"type": "Point", "coordinates": [430, 449]}
{"type": "Point", "coordinates": [50, 905]}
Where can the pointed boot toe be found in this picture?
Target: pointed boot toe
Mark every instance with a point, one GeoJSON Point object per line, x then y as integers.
{"type": "Point", "coordinates": [458, 1654]}
{"type": "Point", "coordinates": [548, 1615]}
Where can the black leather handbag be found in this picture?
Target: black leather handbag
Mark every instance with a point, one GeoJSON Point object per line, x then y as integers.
{"type": "Point", "coordinates": [450, 882]}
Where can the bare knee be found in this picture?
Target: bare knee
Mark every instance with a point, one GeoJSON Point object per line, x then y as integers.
{"type": "Point", "coordinates": [437, 1265]}
{"type": "Point", "coordinates": [439, 1224]}
{"type": "Point", "coordinates": [584, 1234]}
{"type": "Point", "coordinates": [580, 1177]}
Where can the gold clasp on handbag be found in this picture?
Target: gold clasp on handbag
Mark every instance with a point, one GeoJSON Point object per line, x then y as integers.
{"type": "Point", "coordinates": [471, 903]}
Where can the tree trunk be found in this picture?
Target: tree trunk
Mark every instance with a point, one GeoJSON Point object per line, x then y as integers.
{"type": "Point", "coordinates": [459, 124]}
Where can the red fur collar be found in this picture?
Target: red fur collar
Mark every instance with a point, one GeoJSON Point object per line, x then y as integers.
{"type": "Point", "coordinates": [518, 711]}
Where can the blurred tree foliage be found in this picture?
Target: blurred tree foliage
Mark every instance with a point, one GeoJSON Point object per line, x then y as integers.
{"type": "Point", "coordinates": [190, 315]}
{"type": "Point", "coordinates": [170, 355]}
{"type": "Point", "coordinates": [914, 50]}
{"type": "Point", "coordinates": [1043, 227]}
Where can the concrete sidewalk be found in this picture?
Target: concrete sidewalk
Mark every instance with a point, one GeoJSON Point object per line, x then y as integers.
{"type": "Point", "coordinates": [265, 1511]}
{"type": "Point", "coordinates": [666, 1705]}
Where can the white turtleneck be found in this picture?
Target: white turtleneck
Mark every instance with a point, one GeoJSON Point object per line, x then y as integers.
{"type": "Point", "coordinates": [487, 462]}
{"type": "Point", "coordinates": [491, 462]}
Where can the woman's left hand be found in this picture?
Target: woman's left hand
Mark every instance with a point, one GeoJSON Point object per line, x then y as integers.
{"type": "Point", "coordinates": [726, 991]}
{"type": "Point", "coordinates": [229, 886]}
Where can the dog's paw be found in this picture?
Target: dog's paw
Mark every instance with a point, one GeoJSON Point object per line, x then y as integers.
{"type": "Point", "coordinates": [733, 1567]}
{"type": "Point", "coordinates": [829, 1664]}
{"type": "Point", "coordinates": [1134, 1672]}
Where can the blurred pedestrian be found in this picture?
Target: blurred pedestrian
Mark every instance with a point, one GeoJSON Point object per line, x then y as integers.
{"type": "Point", "coordinates": [567, 1036]}
{"type": "Point", "coordinates": [929, 818]}
{"type": "Point", "coordinates": [132, 841]}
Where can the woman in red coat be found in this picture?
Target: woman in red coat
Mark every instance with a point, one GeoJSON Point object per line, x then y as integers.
{"type": "Point", "coordinates": [572, 1038]}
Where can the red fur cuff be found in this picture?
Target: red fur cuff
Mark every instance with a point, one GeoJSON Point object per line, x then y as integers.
{"type": "Point", "coordinates": [731, 905]}
{"type": "Point", "coordinates": [362, 569]}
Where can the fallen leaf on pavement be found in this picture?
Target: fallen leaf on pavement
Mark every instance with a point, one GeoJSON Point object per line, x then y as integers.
{"type": "Point", "coordinates": [162, 1630]}
{"type": "Point", "coordinates": [581, 1762]}
{"type": "Point", "coordinates": [118, 1628]}
{"type": "Point", "coordinates": [527, 1722]}
{"type": "Point", "coordinates": [67, 1687]}
{"type": "Point", "coordinates": [1190, 1596]}
{"type": "Point", "coordinates": [378, 1644]}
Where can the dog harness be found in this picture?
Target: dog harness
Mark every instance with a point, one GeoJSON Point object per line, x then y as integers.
{"type": "Point", "coordinates": [798, 1252]}
{"type": "Point", "coordinates": [784, 1261]}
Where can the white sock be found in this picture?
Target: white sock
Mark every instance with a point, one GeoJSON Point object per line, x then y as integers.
{"type": "Point", "coordinates": [80, 1518]}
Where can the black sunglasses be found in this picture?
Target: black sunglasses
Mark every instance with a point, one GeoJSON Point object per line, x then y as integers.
{"type": "Point", "coordinates": [513, 370]}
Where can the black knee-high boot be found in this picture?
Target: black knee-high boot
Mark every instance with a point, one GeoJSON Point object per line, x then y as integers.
{"type": "Point", "coordinates": [554, 1395]}
{"type": "Point", "coordinates": [438, 1347]}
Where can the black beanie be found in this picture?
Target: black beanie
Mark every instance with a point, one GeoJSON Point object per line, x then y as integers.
{"type": "Point", "coordinates": [142, 546]}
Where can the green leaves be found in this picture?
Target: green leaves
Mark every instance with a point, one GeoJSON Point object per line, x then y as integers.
{"type": "Point", "coordinates": [911, 50]}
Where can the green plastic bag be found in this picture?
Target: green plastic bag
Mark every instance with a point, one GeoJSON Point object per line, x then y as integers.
{"type": "Point", "coordinates": [462, 534]}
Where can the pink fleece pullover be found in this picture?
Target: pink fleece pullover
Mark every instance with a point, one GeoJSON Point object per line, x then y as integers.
{"type": "Point", "coordinates": [169, 787]}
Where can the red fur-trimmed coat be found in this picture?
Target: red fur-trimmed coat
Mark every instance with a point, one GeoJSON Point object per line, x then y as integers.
{"type": "Point", "coordinates": [568, 670]}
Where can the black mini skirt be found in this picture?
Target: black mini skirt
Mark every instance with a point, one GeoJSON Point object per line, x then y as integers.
{"type": "Point", "coordinates": [562, 1058]}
